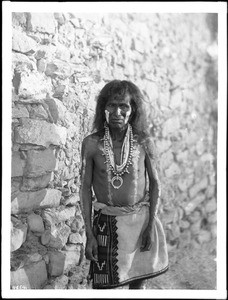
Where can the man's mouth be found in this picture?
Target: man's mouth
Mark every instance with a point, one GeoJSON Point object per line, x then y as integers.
{"type": "Point", "coordinates": [116, 120]}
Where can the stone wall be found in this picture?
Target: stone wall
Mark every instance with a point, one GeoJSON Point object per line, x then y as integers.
{"type": "Point", "coordinates": [60, 61]}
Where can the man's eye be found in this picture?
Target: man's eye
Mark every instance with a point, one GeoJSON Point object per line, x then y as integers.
{"type": "Point", "coordinates": [124, 107]}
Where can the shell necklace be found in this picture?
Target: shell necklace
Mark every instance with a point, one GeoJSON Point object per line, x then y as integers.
{"type": "Point", "coordinates": [126, 156]}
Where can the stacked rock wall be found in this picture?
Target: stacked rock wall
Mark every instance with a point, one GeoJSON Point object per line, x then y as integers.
{"type": "Point", "coordinates": [60, 61]}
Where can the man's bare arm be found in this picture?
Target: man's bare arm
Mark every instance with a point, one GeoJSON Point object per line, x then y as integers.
{"type": "Point", "coordinates": [86, 198]}
{"type": "Point", "coordinates": [154, 187]}
{"type": "Point", "coordinates": [154, 195]}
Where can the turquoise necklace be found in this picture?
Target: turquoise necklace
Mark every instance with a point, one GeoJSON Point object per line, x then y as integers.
{"type": "Point", "coordinates": [126, 156]}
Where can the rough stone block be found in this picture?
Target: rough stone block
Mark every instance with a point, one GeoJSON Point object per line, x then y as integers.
{"type": "Point", "coordinates": [77, 224]}
{"type": "Point", "coordinates": [35, 257]}
{"type": "Point", "coordinates": [72, 256]}
{"type": "Point", "coordinates": [194, 203]}
{"type": "Point", "coordinates": [33, 276]}
{"type": "Point", "coordinates": [38, 112]}
{"type": "Point", "coordinates": [18, 19]}
{"type": "Point", "coordinates": [169, 216]}
{"type": "Point", "coordinates": [22, 63]}
{"type": "Point", "coordinates": [184, 183]}
{"type": "Point", "coordinates": [214, 231]}
{"type": "Point", "coordinates": [211, 206]}
{"type": "Point", "coordinates": [184, 224]}
{"type": "Point", "coordinates": [75, 238]}
{"type": "Point", "coordinates": [207, 157]}
{"type": "Point", "coordinates": [41, 65]}
{"type": "Point", "coordinates": [49, 216]}
{"type": "Point", "coordinates": [182, 156]}
{"type": "Point", "coordinates": [40, 162]}
{"type": "Point", "coordinates": [170, 126]}
{"type": "Point", "coordinates": [204, 236]}
{"type": "Point", "coordinates": [210, 191]}
{"type": "Point", "coordinates": [56, 263]}
{"type": "Point", "coordinates": [28, 201]}
{"type": "Point", "coordinates": [212, 218]}
{"type": "Point", "coordinates": [15, 186]}
{"type": "Point", "coordinates": [18, 234]}
{"type": "Point", "coordinates": [20, 111]}
{"type": "Point", "coordinates": [22, 43]}
{"type": "Point", "coordinates": [41, 53]}
{"type": "Point", "coordinates": [166, 159]}
{"type": "Point", "coordinates": [173, 170]}
{"type": "Point", "coordinates": [46, 237]}
{"type": "Point", "coordinates": [175, 99]}
{"type": "Point", "coordinates": [18, 164]}
{"type": "Point", "coordinates": [35, 85]}
{"type": "Point", "coordinates": [73, 199]}
{"type": "Point", "coordinates": [163, 145]}
{"type": "Point", "coordinates": [41, 22]}
{"type": "Point", "coordinates": [59, 236]}
{"type": "Point", "coordinates": [59, 68]}
{"type": "Point", "coordinates": [185, 238]}
{"type": "Point", "coordinates": [40, 133]}
{"type": "Point", "coordinates": [192, 138]}
{"type": "Point", "coordinates": [59, 91]}
{"type": "Point", "coordinates": [174, 232]}
{"type": "Point", "coordinates": [195, 228]}
{"type": "Point", "coordinates": [36, 183]}
{"type": "Point", "coordinates": [50, 70]}
{"type": "Point", "coordinates": [140, 46]}
{"type": "Point", "coordinates": [57, 109]}
{"type": "Point", "coordinates": [200, 147]}
{"type": "Point", "coordinates": [194, 190]}
{"type": "Point", "coordinates": [195, 216]}
{"type": "Point", "coordinates": [60, 283]}
{"type": "Point", "coordinates": [66, 213]}
{"type": "Point", "coordinates": [55, 216]}
{"type": "Point", "coordinates": [35, 222]}
{"type": "Point", "coordinates": [60, 18]}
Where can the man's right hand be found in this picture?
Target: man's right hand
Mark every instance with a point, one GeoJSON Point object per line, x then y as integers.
{"type": "Point", "coordinates": [91, 251]}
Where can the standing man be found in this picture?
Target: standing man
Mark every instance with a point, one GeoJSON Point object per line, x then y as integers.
{"type": "Point", "coordinates": [125, 241]}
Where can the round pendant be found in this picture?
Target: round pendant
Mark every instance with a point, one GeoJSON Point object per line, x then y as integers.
{"type": "Point", "coordinates": [118, 179]}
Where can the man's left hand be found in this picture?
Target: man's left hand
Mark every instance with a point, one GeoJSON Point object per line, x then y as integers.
{"type": "Point", "coordinates": [146, 239]}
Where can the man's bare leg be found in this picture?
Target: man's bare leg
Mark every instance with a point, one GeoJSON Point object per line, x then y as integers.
{"type": "Point", "coordinates": [139, 284]}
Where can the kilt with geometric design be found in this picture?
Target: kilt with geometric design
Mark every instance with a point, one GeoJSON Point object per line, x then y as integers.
{"type": "Point", "coordinates": [120, 260]}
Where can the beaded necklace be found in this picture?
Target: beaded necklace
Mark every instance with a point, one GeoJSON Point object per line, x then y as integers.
{"type": "Point", "coordinates": [126, 156]}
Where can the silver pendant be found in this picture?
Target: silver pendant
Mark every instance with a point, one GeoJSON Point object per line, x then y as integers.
{"type": "Point", "coordinates": [117, 178]}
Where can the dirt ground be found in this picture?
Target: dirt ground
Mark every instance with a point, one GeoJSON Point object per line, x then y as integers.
{"type": "Point", "coordinates": [190, 268]}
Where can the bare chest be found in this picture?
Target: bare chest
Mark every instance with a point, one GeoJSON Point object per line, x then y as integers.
{"type": "Point", "coordinates": [137, 158]}
{"type": "Point", "coordinates": [117, 150]}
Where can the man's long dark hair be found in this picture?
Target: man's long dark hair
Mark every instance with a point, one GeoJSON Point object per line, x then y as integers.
{"type": "Point", "coordinates": [138, 119]}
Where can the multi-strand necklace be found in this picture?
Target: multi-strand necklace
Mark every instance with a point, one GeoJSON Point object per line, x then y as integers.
{"type": "Point", "coordinates": [126, 156]}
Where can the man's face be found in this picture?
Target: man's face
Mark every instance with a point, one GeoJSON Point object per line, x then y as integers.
{"type": "Point", "coordinates": [118, 111]}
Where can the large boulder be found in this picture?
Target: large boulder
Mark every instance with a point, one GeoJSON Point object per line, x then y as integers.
{"type": "Point", "coordinates": [40, 162]}
{"type": "Point", "coordinates": [40, 132]}
{"type": "Point", "coordinates": [32, 276]}
{"type": "Point", "coordinates": [28, 201]}
{"type": "Point", "coordinates": [18, 233]}
{"type": "Point", "coordinates": [35, 222]}
{"type": "Point", "coordinates": [22, 43]}
{"type": "Point", "coordinates": [41, 22]}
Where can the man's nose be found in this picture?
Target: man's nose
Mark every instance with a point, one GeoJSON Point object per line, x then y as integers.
{"type": "Point", "coordinates": [118, 111]}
